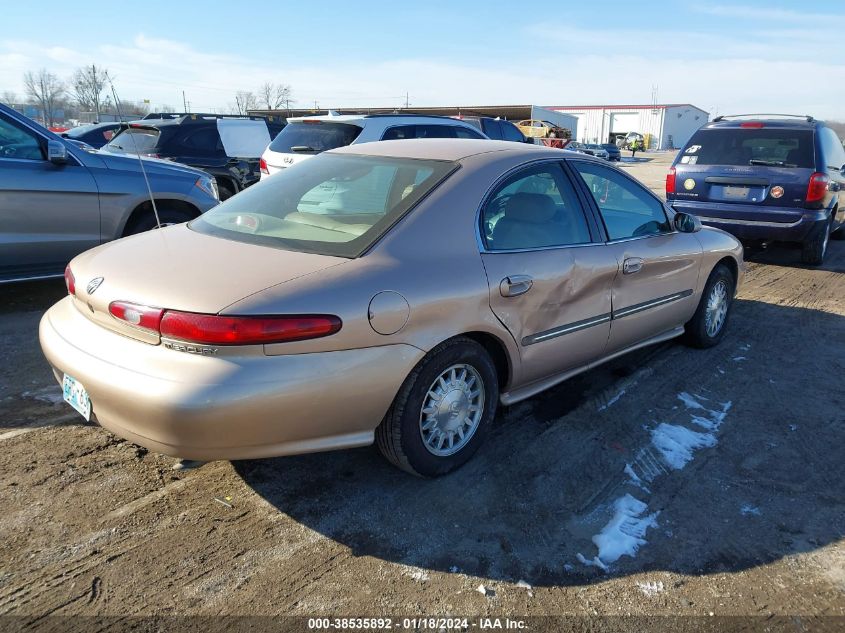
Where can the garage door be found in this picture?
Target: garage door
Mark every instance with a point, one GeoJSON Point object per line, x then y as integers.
{"type": "Point", "coordinates": [623, 122]}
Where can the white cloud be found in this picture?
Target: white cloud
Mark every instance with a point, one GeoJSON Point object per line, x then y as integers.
{"type": "Point", "coordinates": [734, 77]}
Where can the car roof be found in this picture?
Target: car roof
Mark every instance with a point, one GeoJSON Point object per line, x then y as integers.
{"type": "Point", "coordinates": [341, 118]}
{"type": "Point", "coordinates": [769, 120]}
{"type": "Point", "coordinates": [448, 149]}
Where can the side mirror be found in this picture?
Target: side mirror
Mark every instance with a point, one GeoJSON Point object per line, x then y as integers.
{"type": "Point", "coordinates": [56, 152]}
{"type": "Point", "coordinates": [687, 223]}
{"type": "Point", "coordinates": [842, 169]}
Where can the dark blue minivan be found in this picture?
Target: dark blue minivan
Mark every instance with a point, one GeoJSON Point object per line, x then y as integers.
{"type": "Point", "coordinates": [764, 178]}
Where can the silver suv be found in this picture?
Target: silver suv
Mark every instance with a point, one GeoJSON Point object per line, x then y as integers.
{"type": "Point", "coordinates": [304, 137]}
{"type": "Point", "coordinates": [57, 200]}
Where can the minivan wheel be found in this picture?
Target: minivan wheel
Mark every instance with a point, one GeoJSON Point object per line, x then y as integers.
{"type": "Point", "coordinates": [708, 324]}
{"type": "Point", "coordinates": [443, 410]}
{"type": "Point", "coordinates": [815, 247]}
{"type": "Point", "coordinates": [148, 220]}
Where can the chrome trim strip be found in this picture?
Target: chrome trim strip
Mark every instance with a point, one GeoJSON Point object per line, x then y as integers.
{"type": "Point", "coordinates": [646, 305]}
{"type": "Point", "coordinates": [565, 329]}
{"type": "Point", "coordinates": [32, 278]}
{"type": "Point", "coordinates": [765, 223]}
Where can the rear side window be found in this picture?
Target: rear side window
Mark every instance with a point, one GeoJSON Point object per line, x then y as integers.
{"type": "Point", "coordinates": [203, 141]}
{"type": "Point", "coordinates": [135, 139]}
{"type": "Point", "coordinates": [773, 147]}
{"type": "Point", "coordinates": [313, 137]}
{"type": "Point", "coordinates": [330, 205]}
{"type": "Point", "coordinates": [399, 132]}
{"type": "Point", "coordinates": [511, 133]}
{"type": "Point", "coordinates": [465, 132]}
{"type": "Point", "coordinates": [834, 153]}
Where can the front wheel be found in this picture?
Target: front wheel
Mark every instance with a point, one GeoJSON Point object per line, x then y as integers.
{"type": "Point", "coordinates": [707, 326]}
{"type": "Point", "coordinates": [443, 410]}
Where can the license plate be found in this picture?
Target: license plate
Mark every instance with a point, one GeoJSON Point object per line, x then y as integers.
{"type": "Point", "coordinates": [76, 396]}
{"type": "Point", "coordinates": [740, 193]}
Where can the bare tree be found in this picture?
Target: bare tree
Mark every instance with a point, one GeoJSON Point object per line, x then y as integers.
{"type": "Point", "coordinates": [244, 102]}
{"type": "Point", "coordinates": [9, 98]}
{"type": "Point", "coordinates": [274, 96]}
{"type": "Point", "coordinates": [89, 89]}
{"type": "Point", "coordinates": [45, 89]}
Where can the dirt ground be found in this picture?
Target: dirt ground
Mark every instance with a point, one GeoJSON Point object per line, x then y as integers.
{"type": "Point", "coordinates": [752, 525]}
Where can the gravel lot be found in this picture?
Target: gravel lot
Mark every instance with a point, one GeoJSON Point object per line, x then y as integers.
{"type": "Point", "coordinates": [752, 525]}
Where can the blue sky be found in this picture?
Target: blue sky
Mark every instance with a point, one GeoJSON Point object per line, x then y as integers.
{"type": "Point", "coordinates": [723, 57]}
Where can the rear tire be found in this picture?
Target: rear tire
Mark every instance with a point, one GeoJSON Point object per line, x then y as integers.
{"type": "Point", "coordinates": [148, 220]}
{"type": "Point", "coordinates": [437, 400]}
{"type": "Point", "coordinates": [224, 191]}
{"type": "Point", "coordinates": [838, 234]}
{"type": "Point", "coordinates": [814, 249]}
{"type": "Point", "coordinates": [708, 324]}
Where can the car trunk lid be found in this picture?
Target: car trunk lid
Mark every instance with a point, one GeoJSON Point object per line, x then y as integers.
{"type": "Point", "coordinates": [177, 268]}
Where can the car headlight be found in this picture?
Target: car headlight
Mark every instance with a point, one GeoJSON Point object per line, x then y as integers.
{"type": "Point", "coordinates": [208, 185]}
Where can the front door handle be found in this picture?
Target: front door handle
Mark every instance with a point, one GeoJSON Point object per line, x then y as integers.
{"type": "Point", "coordinates": [515, 285]}
{"type": "Point", "coordinates": [632, 265]}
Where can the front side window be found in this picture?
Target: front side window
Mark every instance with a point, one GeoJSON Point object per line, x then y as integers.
{"type": "Point", "coordinates": [15, 142]}
{"type": "Point", "coordinates": [626, 208]}
{"type": "Point", "coordinates": [329, 205]}
{"type": "Point", "coordinates": [511, 133]}
{"type": "Point", "coordinates": [535, 208]}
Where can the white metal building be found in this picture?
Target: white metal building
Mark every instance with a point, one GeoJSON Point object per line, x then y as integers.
{"type": "Point", "coordinates": [668, 125]}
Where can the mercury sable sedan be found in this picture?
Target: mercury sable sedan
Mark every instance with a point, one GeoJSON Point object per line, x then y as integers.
{"type": "Point", "coordinates": [394, 292]}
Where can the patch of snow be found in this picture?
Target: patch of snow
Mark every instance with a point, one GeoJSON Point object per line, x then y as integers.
{"type": "Point", "coordinates": [677, 443]}
{"type": "Point", "coordinates": [612, 401]}
{"type": "Point", "coordinates": [568, 567]}
{"type": "Point", "coordinates": [591, 563]}
{"type": "Point", "coordinates": [454, 569]}
{"type": "Point", "coordinates": [624, 533]}
{"type": "Point", "coordinates": [651, 588]}
{"type": "Point", "coordinates": [523, 584]}
{"type": "Point", "coordinates": [485, 591]}
{"type": "Point", "coordinates": [738, 359]}
{"type": "Point", "coordinates": [634, 478]}
{"type": "Point", "coordinates": [745, 347]}
{"type": "Point", "coordinates": [748, 509]}
{"type": "Point", "coordinates": [416, 574]}
{"type": "Point", "coordinates": [52, 394]}
{"type": "Point", "coordinates": [793, 427]}
{"type": "Point", "coordinates": [690, 401]}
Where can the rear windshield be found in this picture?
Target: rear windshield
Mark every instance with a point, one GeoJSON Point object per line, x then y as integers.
{"type": "Point", "coordinates": [134, 140]}
{"type": "Point", "coordinates": [330, 205]}
{"type": "Point", "coordinates": [313, 137]}
{"type": "Point", "coordinates": [750, 146]}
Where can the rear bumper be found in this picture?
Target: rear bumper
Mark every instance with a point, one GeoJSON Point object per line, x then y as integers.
{"type": "Point", "coordinates": [225, 407]}
{"type": "Point", "coordinates": [745, 224]}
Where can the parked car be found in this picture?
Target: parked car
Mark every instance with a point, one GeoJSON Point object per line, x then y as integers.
{"type": "Point", "coordinates": [395, 292]}
{"type": "Point", "coordinates": [590, 149]}
{"type": "Point", "coordinates": [613, 152]}
{"type": "Point", "coordinates": [536, 128]}
{"type": "Point", "coordinates": [227, 147]}
{"type": "Point", "coordinates": [763, 177]}
{"type": "Point", "coordinates": [497, 129]}
{"type": "Point", "coordinates": [304, 137]}
{"type": "Point", "coordinates": [96, 135]}
{"type": "Point", "coordinates": [57, 200]}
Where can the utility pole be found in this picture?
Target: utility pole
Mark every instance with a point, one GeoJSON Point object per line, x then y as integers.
{"type": "Point", "coordinates": [184, 101]}
{"type": "Point", "coordinates": [407, 100]}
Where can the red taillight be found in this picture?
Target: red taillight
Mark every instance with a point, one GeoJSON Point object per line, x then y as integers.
{"type": "Point", "coordinates": [140, 316]}
{"type": "Point", "coordinates": [817, 189]}
{"type": "Point", "coordinates": [262, 165]}
{"type": "Point", "coordinates": [752, 124]}
{"type": "Point", "coordinates": [670, 180]}
{"type": "Point", "coordinates": [225, 330]}
{"type": "Point", "coordinates": [70, 281]}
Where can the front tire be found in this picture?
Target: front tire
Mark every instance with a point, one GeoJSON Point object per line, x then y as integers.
{"type": "Point", "coordinates": [708, 324]}
{"type": "Point", "coordinates": [443, 410]}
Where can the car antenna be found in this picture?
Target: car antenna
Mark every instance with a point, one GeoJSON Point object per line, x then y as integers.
{"type": "Point", "coordinates": [135, 147]}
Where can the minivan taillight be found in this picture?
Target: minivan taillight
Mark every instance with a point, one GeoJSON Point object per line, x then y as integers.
{"type": "Point", "coordinates": [670, 180]}
{"type": "Point", "coordinates": [262, 165]}
{"type": "Point", "coordinates": [70, 281]}
{"type": "Point", "coordinates": [212, 329]}
{"type": "Point", "coordinates": [817, 189]}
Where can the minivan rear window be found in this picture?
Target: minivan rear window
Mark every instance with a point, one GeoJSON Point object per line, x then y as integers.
{"type": "Point", "coordinates": [313, 137]}
{"type": "Point", "coordinates": [329, 205]}
{"type": "Point", "coordinates": [772, 147]}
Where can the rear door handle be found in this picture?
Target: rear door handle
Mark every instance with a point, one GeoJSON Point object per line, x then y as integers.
{"type": "Point", "coordinates": [515, 285]}
{"type": "Point", "coordinates": [632, 265]}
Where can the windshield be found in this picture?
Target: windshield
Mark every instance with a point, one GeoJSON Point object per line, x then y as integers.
{"type": "Point", "coordinates": [134, 139]}
{"type": "Point", "coordinates": [775, 147]}
{"type": "Point", "coordinates": [330, 205]}
{"type": "Point", "coordinates": [313, 137]}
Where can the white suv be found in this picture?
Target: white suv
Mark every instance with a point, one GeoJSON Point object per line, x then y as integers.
{"type": "Point", "coordinates": [304, 137]}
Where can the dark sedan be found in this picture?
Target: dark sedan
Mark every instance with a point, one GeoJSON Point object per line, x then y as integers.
{"type": "Point", "coordinates": [613, 152]}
